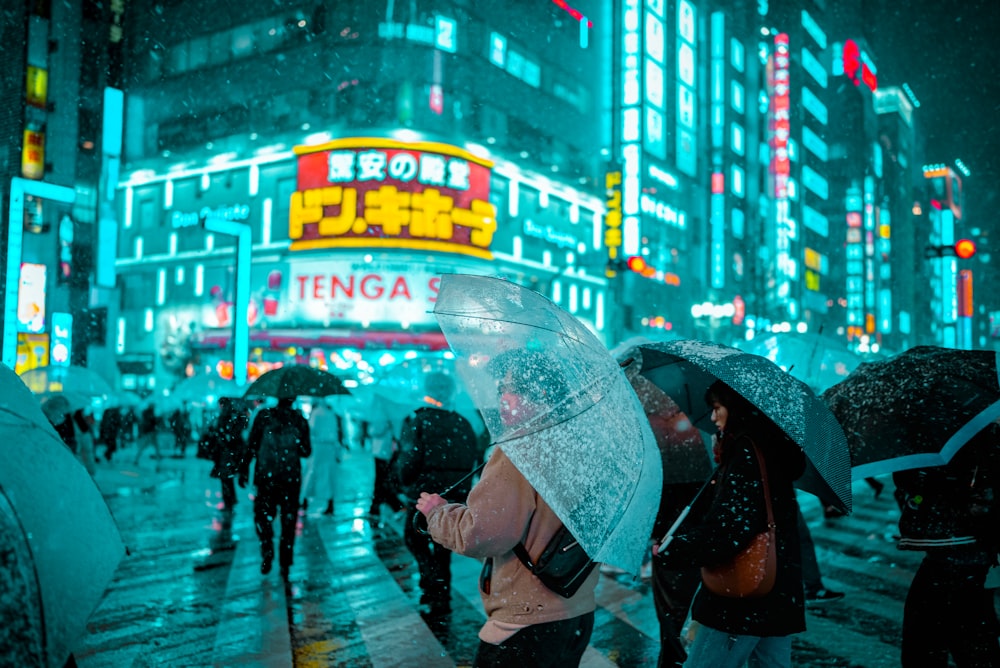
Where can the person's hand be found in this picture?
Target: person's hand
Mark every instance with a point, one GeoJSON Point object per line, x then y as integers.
{"type": "Point", "coordinates": [428, 502]}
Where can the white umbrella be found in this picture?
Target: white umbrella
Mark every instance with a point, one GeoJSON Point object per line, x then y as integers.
{"type": "Point", "coordinates": [76, 379]}
{"type": "Point", "coordinates": [65, 537]}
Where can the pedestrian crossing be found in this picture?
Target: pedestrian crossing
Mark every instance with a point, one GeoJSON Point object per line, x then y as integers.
{"type": "Point", "coordinates": [191, 593]}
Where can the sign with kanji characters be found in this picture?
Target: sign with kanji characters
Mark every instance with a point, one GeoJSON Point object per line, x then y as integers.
{"type": "Point", "coordinates": [376, 193]}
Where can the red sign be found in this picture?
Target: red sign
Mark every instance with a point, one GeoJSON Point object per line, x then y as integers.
{"type": "Point", "coordinates": [780, 116]}
{"type": "Point", "coordinates": [372, 192]}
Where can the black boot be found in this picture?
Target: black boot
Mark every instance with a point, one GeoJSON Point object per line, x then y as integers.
{"type": "Point", "coordinates": [329, 508]}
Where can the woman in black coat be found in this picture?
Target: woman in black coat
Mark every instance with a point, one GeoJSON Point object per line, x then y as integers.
{"type": "Point", "coordinates": [227, 447]}
{"type": "Point", "coordinates": [722, 523]}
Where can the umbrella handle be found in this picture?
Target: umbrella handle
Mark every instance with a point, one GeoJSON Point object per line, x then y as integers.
{"type": "Point", "coordinates": [670, 534]}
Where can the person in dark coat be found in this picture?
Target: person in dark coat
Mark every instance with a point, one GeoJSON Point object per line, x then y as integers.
{"type": "Point", "coordinates": [227, 447]}
{"type": "Point", "coordinates": [279, 438]}
{"type": "Point", "coordinates": [437, 448]}
{"type": "Point", "coordinates": [952, 513]}
{"type": "Point", "coordinates": [722, 523]}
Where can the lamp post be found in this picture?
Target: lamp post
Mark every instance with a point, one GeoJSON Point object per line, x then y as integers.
{"type": "Point", "coordinates": [241, 298]}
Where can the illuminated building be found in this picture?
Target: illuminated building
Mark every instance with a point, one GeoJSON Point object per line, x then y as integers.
{"type": "Point", "coordinates": [61, 125]}
{"type": "Point", "coordinates": [367, 153]}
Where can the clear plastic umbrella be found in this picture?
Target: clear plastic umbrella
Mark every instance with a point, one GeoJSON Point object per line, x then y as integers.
{"type": "Point", "coordinates": [204, 389]}
{"type": "Point", "coordinates": [584, 443]}
{"type": "Point", "coordinates": [59, 525]}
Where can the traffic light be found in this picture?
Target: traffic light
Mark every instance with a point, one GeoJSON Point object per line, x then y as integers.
{"type": "Point", "coordinates": [965, 248]}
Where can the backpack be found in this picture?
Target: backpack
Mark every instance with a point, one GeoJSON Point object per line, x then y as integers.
{"type": "Point", "coordinates": [279, 449]}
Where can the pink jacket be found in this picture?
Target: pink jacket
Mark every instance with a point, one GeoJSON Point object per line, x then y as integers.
{"type": "Point", "coordinates": [499, 515]}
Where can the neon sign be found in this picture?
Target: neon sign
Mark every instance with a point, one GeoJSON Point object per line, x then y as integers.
{"type": "Point", "coordinates": [371, 192]}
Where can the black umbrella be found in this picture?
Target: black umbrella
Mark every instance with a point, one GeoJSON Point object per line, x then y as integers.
{"type": "Point", "coordinates": [915, 409]}
{"type": "Point", "coordinates": [685, 370]}
{"type": "Point", "coordinates": [295, 380]}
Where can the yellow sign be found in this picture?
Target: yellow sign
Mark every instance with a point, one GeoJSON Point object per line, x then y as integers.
{"type": "Point", "coordinates": [37, 87]}
{"type": "Point", "coordinates": [33, 155]}
{"type": "Point", "coordinates": [32, 351]}
{"type": "Point", "coordinates": [613, 219]}
{"type": "Point", "coordinates": [374, 192]}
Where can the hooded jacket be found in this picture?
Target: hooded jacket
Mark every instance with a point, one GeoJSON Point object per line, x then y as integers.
{"type": "Point", "coordinates": [504, 509]}
{"type": "Point", "coordinates": [723, 522]}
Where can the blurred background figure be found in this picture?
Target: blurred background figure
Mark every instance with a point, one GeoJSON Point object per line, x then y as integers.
{"type": "Point", "coordinates": [225, 446]}
{"type": "Point", "coordinates": [326, 430]}
{"type": "Point", "coordinates": [83, 425]}
{"type": "Point", "coordinates": [148, 433]}
{"type": "Point", "coordinates": [383, 445]}
{"type": "Point", "coordinates": [111, 431]}
{"type": "Point", "coordinates": [180, 427]}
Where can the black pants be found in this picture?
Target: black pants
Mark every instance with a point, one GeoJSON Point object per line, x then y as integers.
{"type": "Point", "coordinates": [228, 492]}
{"type": "Point", "coordinates": [277, 500]}
{"type": "Point", "coordinates": [558, 644]}
{"type": "Point", "coordinates": [672, 594]}
{"type": "Point", "coordinates": [948, 610]}
{"type": "Point", "coordinates": [382, 491]}
{"type": "Point", "coordinates": [434, 564]}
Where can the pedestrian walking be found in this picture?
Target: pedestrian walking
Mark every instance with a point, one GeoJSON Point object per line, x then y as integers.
{"type": "Point", "coordinates": [527, 623]}
{"type": "Point", "coordinates": [326, 431]}
{"type": "Point", "coordinates": [753, 454]}
{"type": "Point", "coordinates": [437, 448]}
{"type": "Point", "coordinates": [812, 578]}
{"type": "Point", "coordinates": [224, 444]}
{"type": "Point", "coordinates": [952, 513]}
{"type": "Point", "coordinates": [111, 431]}
{"type": "Point", "coordinates": [148, 435]}
{"type": "Point", "coordinates": [279, 438]}
{"type": "Point", "coordinates": [180, 427]}
{"type": "Point", "coordinates": [384, 446]}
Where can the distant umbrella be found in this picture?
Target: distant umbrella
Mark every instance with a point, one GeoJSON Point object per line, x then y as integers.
{"type": "Point", "coordinates": [76, 379]}
{"type": "Point", "coordinates": [296, 380]}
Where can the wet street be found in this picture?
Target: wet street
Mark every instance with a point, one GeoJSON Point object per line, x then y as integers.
{"type": "Point", "coordinates": [190, 592]}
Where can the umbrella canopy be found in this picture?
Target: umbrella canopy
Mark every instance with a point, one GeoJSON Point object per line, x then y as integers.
{"type": "Point", "coordinates": [686, 457]}
{"type": "Point", "coordinates": [817, 360]}
{"type": "Point", "coordinates": [915, 409]}
{"type": "Point", "coordinates": [204, 388]}
{"type": "Point", "coordinates": [584, 444]}
{"type": "Point", "coordinates": [77, 379]}
{"type": "Point", "coordinates": [685, 370]}
{"type": "Point", "coordinates": [295, 380]}
{"type": "Point", "coordinates": [68, 539]}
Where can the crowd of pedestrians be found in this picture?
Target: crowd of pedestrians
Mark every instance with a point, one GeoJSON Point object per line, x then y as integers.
{"type": "Point", "coordinates": [463, 499]}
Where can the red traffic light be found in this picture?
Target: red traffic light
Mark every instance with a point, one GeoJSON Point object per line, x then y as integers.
{"type": "Point", "coordinates": [965, 248]}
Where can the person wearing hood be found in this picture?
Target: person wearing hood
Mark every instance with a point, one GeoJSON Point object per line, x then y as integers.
{"type": "Point", "coordinates": [724, 520]}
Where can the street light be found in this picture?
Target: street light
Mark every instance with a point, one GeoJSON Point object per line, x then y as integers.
{"type": "Point", "coordinates": [962, 249]}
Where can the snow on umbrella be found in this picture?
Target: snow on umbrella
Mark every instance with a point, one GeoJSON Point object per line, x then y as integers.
{"type": "Point", "coordinates": [296, 380]}
{"type": "Point", "coordinates": [686, 458]}
{"type": "Point", "coordinates": [685, 370]}
{"type": "Point", "coordinates": [915, 409]}
{"type": "Point", "coordinates": [584, 444]}
{"type": "Point", "coordinates": [76, 379]}
{"type": "Point", "coordinates": [67, 543]}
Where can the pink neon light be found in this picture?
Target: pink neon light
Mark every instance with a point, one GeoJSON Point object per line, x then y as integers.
{"type": "Point", "coordinates": [575, 13]}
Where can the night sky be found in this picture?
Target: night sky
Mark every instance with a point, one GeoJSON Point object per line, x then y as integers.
{"type": "Point", "coordinates": [946, 50]}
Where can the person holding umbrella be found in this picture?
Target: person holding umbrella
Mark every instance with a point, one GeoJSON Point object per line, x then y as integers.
{"type": "Point", "coordinates": [952, 514]}
{"type": "Point", "coordinates": [527, 623]}
{"type": "Point", "coordinates": [279, 438]}
{"type": "Point", "coordinates": [754, 454]}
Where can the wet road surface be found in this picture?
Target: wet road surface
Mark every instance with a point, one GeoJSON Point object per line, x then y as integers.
{"type": "Point", "coordinates": [190, 593]}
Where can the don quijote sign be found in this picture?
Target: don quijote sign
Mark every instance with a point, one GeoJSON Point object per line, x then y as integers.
{"type": "Point", "coordinates": [234, 212]}
{"type": "Point", "coordinates": [370, 192]}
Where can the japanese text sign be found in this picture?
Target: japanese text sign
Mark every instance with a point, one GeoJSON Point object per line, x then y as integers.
{"type": "Point", "coordinates": [370, 192]}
